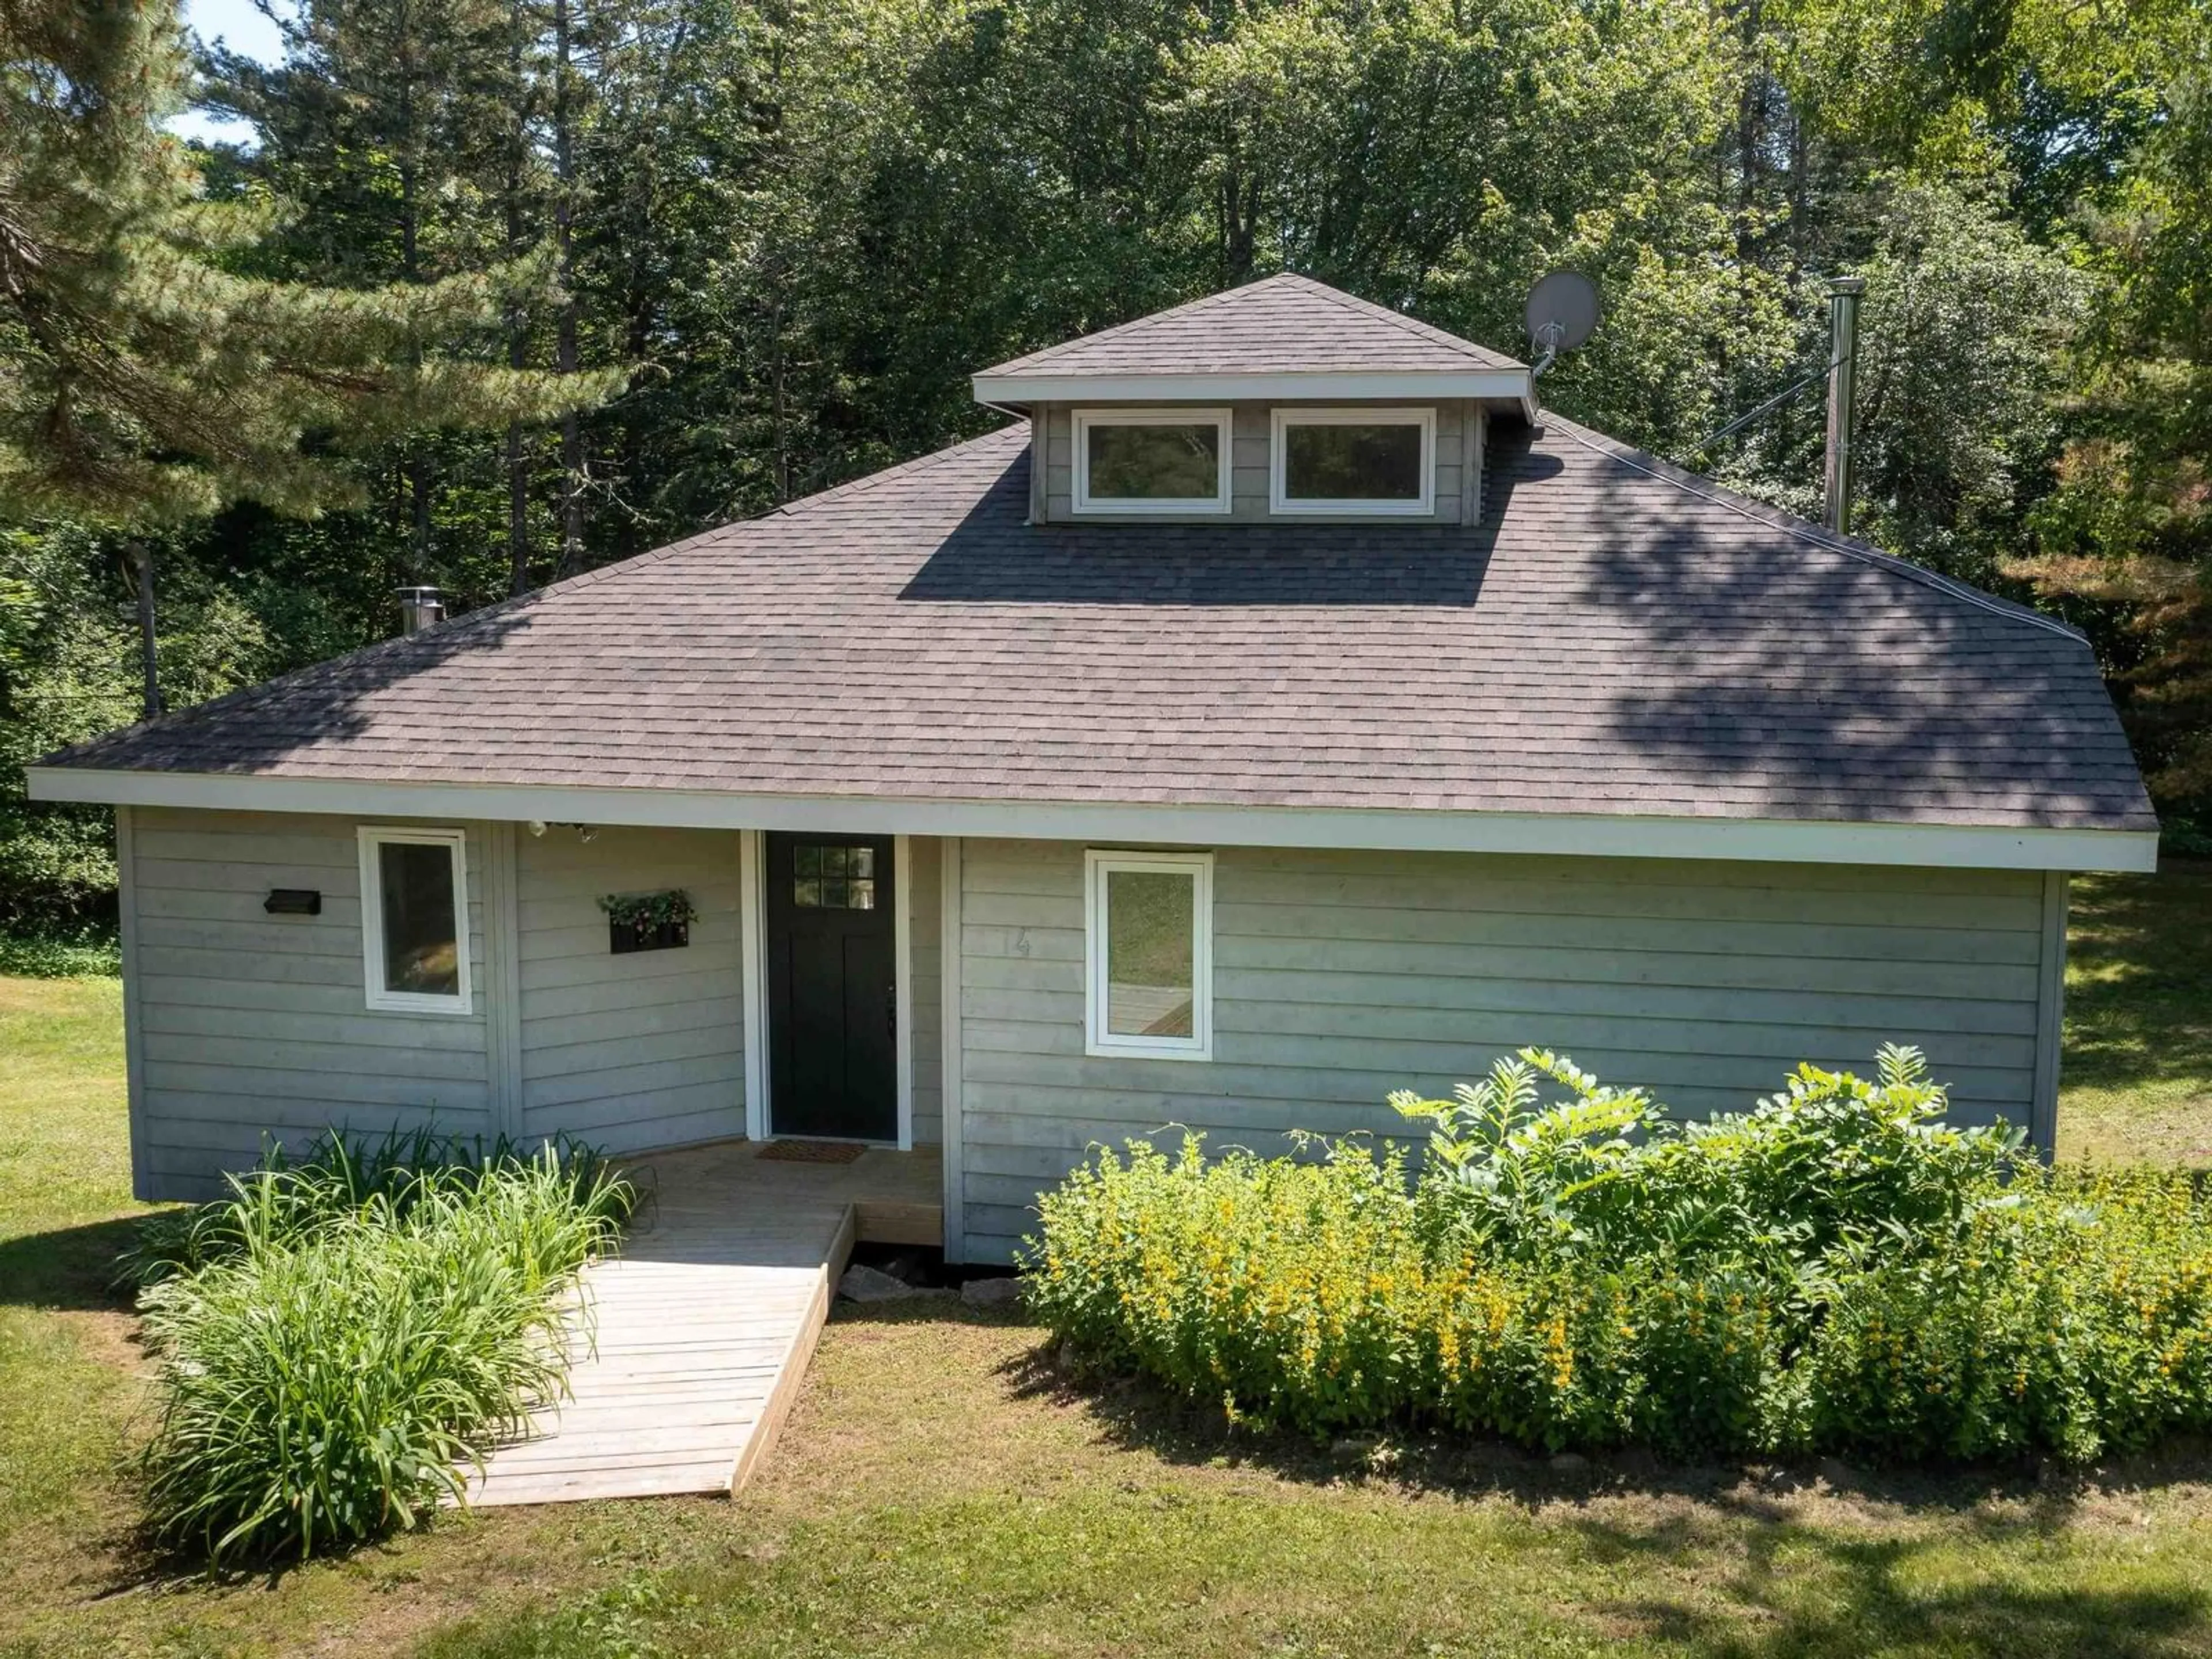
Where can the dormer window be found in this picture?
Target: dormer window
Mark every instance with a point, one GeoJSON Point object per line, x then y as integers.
{"type": "Point", "coordinates": [1354, 461]}
{"type": "Point", "coordinates": [1164, 460]}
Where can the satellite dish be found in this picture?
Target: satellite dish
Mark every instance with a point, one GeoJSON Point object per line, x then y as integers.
{"type": "Point", "coordinates": [1561, 313]}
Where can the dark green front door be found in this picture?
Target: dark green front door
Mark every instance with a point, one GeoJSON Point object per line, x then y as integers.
{"type": "Point", "coordinates": [832, 1008]}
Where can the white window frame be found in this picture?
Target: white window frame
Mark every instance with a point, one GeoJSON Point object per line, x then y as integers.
{"type": "Point", "coordinates": [456, 842]}
{"type": "Point", "coordinates": [1280, 500]}
{"type": "Point", "coordinates": [1097, 865]}
{"type": "Point", "coordinates": [1081, 422]}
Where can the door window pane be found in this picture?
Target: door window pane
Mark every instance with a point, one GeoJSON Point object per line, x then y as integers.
{"type": "Point", "coordinates": [1377, 463]}
{"type": "Point", "coordinates": [421, 943]}
{"type": "Point", "coordinates": [1154, 462]}
{"type": "Point", "coordinates": [1150, 966]}
{"type": "Point", "coordinates": [826, 877]}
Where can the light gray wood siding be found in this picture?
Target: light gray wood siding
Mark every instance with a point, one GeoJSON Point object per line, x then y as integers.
{"type": "Point", "coordinates": [1251, 429]}
{"type": "Point", "coordinates": [1342, 976]}
{"type": "Point", "coordinates": [253, 1026]}
{"type": "Point", "coordinates": [926, 900]}
{"type": "Point", "coordinates": [636, 1051]}
{"type": "Point", "coordinates": [245, 1025]}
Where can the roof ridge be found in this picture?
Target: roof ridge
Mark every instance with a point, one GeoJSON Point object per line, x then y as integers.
{"type": "Point", "coordinates": [1427, 332]}
{"type": "Point", "coordinates": [1804, 530]}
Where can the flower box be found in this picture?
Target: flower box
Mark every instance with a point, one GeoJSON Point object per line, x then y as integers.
{"type": "Point", "coordinates": [648, 921]}
{"type": "Point", "coordinates": [624, 937]}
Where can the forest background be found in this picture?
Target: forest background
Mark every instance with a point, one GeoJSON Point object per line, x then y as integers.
{"type": "Point", "coordinates": [633, 268]}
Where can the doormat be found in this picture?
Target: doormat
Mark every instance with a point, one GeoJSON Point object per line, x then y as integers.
{"type": "Point", "coordinates": [811, 1151]}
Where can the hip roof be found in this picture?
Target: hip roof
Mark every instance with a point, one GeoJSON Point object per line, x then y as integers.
{"type": "Point", "coordinates": [1615, 637]}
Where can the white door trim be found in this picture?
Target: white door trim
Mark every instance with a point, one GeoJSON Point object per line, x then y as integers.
{"type": "Point", "coordinates": [752, 932]}
{"type": "Point", "coordinates": [903, 985]}
{"type": "Point", "coordinates": [752, 936]}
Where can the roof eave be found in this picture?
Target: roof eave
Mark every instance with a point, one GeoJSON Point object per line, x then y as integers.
{"type": "Point", "coordinates": [1392, 386]}
{"type": "Point", "coordinates": [1808, 840]}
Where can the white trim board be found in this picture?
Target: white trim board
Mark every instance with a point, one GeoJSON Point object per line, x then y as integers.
{"type": "Point", "coordinates": [1591, 833]}
{"type": "Point", "coordinates": [134, 1028]}
{"type": "Point", "coordinates": [2050, 1015]}
{"type": "Point", "coordinates": [902, 984]}
{"type": "Point", "coordinates": [752, 945]}
{"type": "Point", "coordinates": [502, 976]}
{"type": "Point", "coordinates": [1512, 384]}
{"type": "Point", "coordinates": [380, 999]}
{"type": "Point", "coordinates": [952, 1136]}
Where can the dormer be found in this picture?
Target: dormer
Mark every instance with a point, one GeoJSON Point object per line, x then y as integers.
{"type": "Point", "coordinates": [1284, 400]}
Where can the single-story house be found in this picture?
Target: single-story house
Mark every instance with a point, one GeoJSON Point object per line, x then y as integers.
{"type": "Point", "coordinates": [1283, 709]}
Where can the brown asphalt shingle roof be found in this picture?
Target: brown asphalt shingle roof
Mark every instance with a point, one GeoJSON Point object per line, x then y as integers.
{"type": "Point", "coordinates": [1280, 324]}
{"type": "Point", "coordinates": [1616, 638]}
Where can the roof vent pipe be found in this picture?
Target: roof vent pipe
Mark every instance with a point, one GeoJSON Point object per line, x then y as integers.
{"type": "Point", "coordinates": [1842, 372]}
{"type": "Point", "coordinates": [419, 607]}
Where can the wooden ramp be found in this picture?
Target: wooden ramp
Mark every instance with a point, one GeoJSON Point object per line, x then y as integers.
{"type": "Point", "coordinates": [688, 1348]}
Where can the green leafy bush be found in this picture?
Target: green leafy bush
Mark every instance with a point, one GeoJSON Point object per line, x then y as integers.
{"type": "Point", "coordinates": [80, 950]}
{"type": "Point", "coordinates": [1835, 1270]}
{"type": "Point", "coordinates": [2071, 1315]}
{"type": "Point", "coordinates": [1604, 1170]}
{"type": "Point", "coordinates": [338, 1337]}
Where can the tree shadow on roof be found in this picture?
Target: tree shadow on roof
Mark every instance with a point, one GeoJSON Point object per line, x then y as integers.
{"type": "Point", "coordinates": [1796, 679]}
{"type": "Point", "coordinates": [993, 557]}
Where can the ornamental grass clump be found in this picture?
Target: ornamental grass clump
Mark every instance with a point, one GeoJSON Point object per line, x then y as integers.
{"type": "Point", "coordinates": [1836, 1270]}
{"type": "Point", "coordinates": [329, 1368]}
{"type": "Point", "coordinates": [341, 1176]}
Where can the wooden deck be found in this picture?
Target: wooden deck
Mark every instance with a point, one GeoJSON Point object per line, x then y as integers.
{"type": "Point", "coordinates": [689, 1346]}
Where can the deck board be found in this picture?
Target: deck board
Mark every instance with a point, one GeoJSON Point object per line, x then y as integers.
{"type": "Point", "coordinates": [688, 1348]}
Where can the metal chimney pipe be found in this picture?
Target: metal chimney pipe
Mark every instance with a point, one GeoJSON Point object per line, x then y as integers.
{"type": "Point", "coordinates": [1843, 373]}
{"type": "Point", "coordinates": [418, 608]}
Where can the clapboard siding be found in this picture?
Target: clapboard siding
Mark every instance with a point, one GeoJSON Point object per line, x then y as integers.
{"type": "Point", "coordinates": [1251, 427]}
{"type": "Point", "coordinates": [252, 1027]}
{"type": "Point", "coordinates": [1342, 976]}
{"type": "Point", "coordinates": [635, 1051]}
{"type": "Point", "coordinates": [925, 900]}
{"type": "Point", "coordinates": [247, 1026]}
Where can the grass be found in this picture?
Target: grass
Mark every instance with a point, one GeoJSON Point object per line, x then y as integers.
{"type": "Point", "coordinates": [940, 1490]}
{"type": "Point", "coordinates": [2139, 1065]}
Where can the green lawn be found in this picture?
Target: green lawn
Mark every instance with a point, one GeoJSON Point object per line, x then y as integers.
{"type": "Point", "coordinates": [939, 1491]}
{"type": "Point", "coordinates": [2138, 1069]}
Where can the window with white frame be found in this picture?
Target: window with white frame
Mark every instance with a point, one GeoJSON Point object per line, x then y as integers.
{"type": "Point", "coordinates": [1152, 460]}
{"type": "Point", "coordinates": [1353, 461]}
{"type": "Point", "coordinates": [1148, 921]}
{"type": "Point", "coordinates": [414, 920]}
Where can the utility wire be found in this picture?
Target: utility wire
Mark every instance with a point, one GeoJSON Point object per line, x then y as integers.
{"type": "Point", "coordinates": [1778, 398]}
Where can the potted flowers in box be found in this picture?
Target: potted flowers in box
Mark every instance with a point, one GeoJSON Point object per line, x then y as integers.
{"type": "Point", "coordinates": [648, 921]}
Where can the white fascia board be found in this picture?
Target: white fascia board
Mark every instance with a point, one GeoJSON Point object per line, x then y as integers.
{"type": "Point", "coordinates": [1299, 386]}
{"type": "Point", "coordinates": [1588, 834]}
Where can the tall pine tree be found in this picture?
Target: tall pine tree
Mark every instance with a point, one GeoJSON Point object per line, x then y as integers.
{"type": "Point", "coordinates": [147, 375]}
